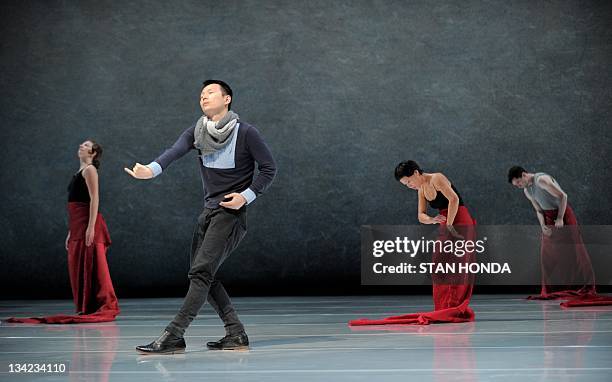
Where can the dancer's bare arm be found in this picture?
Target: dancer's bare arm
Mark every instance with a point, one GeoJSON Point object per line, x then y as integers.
{"type": "Point", "coordinates": [550, 186]}
{"type": "Point", "coordinates": [90, 173]}
{"type": "Point", "coordinates": [546, 230]}
{"type": "Point", "coordinates": [422, 215]}
{"type": "Point", "coordinates": [442, 184]}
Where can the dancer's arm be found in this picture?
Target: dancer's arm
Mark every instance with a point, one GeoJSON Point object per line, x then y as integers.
{"type": "Point", "coordinates": [546, 230]}
{"type": "Point", "coordinates": [553, 188]}
{"type": "Point", "coordinates": [181, 147]}
{"type": "Point", "coordinates": [260, 152]}
{"type": "Point", "coordinates": [67, 238]}
{"type": "Point", "coordinates": [442, 184]}
{"type": "Point", "coordinates": [422, 215]}
{"type": "Point", "coordinates": [91, 179]}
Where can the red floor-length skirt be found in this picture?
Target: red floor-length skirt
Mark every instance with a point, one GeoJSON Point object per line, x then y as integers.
{"type": "Point", "coordinates": [567, 272]}
{"type": "Point", "coordinates": [451, 293]}
{"type": "Point", "coordinates": [92, 287]}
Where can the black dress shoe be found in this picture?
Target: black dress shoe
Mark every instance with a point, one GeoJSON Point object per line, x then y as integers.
{"type": "Point", "coordinates": [167, 343]}
{"type": "Point", "coordinates": [236, 342]}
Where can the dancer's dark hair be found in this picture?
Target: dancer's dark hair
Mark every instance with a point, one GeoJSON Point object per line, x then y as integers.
{"type": "Point", "coordinates": [97, 149]}
{"type": "Point", "coordinates": [515, 172]}
{"type": "Point", "coordinates": [225, 89]}
{"type": "Point", "coordinates": [406, 168]}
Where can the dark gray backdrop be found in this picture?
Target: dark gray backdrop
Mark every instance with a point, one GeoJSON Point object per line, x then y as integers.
{"type": "Point", "coordinates": [341, 90]}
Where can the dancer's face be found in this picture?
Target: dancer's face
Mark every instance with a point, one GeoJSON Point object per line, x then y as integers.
{"type": "Point", "coordinates": [85, 151]}
{"type": "Point", "coordinates": [212, 100]}
{"type": "Point", "coordinates": [413, 181]}
{"type": "Point", "coordinates": [521, 182]}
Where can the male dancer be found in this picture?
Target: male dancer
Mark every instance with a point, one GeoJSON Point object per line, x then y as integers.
{"type": "Point", "coordinates": [228, 149]}
{"type": "Point", "coordinates": [571, 262]}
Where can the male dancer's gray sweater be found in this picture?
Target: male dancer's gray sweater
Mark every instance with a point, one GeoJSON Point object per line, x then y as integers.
{"type": "Point", "coordinates": [230, 169]}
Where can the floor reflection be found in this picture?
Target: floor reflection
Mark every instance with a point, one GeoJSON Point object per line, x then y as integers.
{"type": "Point", "coordinates": [451, 344]}
{"type": "Point", "coordinates": [94, 349]}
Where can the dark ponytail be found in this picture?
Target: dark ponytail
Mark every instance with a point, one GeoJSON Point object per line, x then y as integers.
{"type": "Point", "coordinates": [97, 149]}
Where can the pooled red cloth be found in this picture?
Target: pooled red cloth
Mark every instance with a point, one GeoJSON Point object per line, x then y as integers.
{"type": "Point", "coordinates": [451, 293]}
{"type": "Point", "coordinates": [461, 313]}
{"type": "Point", "coordinates": [588, 300]}
{"type": "Point", "coordinates": [566, 261]}
{"type": "Point", "coordinates": [92, 287]}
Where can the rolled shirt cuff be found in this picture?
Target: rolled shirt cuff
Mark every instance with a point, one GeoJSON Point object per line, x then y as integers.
{"type": "Point", "coordinates": [155, 167]}
{"type": "Point", "coordinates": [249, 195]}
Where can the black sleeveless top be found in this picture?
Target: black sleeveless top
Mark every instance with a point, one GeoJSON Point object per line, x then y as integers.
{"type": "Point", "coordinates": [77, 189]}
{"type": "Point", "coordinates": [440, 202]}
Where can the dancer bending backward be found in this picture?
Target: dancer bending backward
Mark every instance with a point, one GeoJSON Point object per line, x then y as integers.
{"type": "Point", "coordinates": [451, 293]}
{"type": "Point", "coordinates": [87, 242]}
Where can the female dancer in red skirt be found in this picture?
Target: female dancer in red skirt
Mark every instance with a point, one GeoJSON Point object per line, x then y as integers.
{"type": "Point", "coordinates": [86, 243]}
{"type": "Point", "coordinates": [451, 293]}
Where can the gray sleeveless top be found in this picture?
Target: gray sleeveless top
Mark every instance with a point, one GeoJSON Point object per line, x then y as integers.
{"type": "Point", "coordinates": [540, 195]}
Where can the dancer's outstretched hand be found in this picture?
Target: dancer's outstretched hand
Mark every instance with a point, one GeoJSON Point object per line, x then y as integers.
{"type": "Point", "coordinates": [140, 172]}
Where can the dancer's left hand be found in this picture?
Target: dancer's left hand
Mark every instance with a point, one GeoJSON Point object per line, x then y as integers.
{"type": "Point", "coordinates": [236, 201]}
{"type": "Point", "coordinates": [89, 236]}
{"type": "Point", "coordinates": [559, 223]}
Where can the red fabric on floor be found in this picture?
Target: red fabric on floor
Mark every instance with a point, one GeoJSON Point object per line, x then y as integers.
{"type": "Point", "coordinates": [588, 300]}
{"type": "Point", "coordinates": [461, 313]}
{"type": "Point", "coordinates": [92, 287]}
{"type": "Point", "coordinates": [563, 255]}
{"type": "Point", "coordinates": [451, 293]}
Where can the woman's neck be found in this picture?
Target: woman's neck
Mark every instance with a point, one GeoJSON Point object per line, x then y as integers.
{"type": "Point", "coordinates": [427, 179]}
{"type": "Point", "coordinates": [84, 164]}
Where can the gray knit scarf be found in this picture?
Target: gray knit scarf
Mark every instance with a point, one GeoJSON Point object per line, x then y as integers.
{"type": "Point", "coordinates": [209, 137]}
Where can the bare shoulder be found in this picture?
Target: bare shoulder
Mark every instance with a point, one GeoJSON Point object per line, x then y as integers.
{"type": "Point", "coordinates": [439, 179]}
{"type": "Point", "coordinates": [90, 171]}
{"type": "Point", "coordinates": [544, 180]}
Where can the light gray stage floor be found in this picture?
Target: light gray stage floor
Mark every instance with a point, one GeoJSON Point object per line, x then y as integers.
{"type": "Point", "coordinates": [307, 339]}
